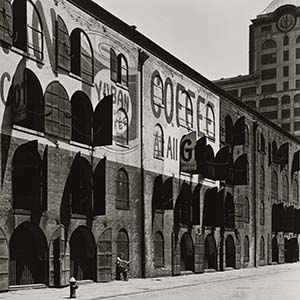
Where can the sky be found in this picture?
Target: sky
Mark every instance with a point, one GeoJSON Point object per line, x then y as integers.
{"type": "Point", "coordinates": [211, 36]}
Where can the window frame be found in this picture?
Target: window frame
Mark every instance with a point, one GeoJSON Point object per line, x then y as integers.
{"type": "Point", "coordinates": [210, 134]}
{"type": "Point", "coordinates": [158, 154]}
{"type": "Point", "coordinates": [159, 247]}
{"type": "Point", "coordinates": [122, 189]}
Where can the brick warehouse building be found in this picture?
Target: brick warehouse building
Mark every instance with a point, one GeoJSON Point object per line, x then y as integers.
{"type": "Point", "coordinates": [110, 144]}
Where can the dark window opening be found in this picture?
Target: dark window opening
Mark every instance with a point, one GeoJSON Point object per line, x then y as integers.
{"type": "Point", "coordinates": [82, 59]}
{"type": "Point", "coordinates": [267, 59]}
{"type": "Point", "coordinates": [6, 22]}
{"type": "Point", "coordinates": [268, 44]}
{"type": "Point", "coordinates": [158, 250]}
{"type": "Point", "coordinates": [268, 74]}
{"type": "Point", "coordinates": [123, 244]}
{"type": "Point", "coordinates": [122, 200]}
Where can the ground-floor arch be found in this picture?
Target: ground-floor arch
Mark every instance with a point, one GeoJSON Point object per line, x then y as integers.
{"type": "Point", "coordinates": [275, 250]}
{"type": "Point", "coordinates": [187, 253]}
{"type": "Point", "coordinates": [291, 250]}
{"type": "Point", "coordinates": [83, 254]}
{"type": "Point", "coordinates": [210, 252]}
{"type": "Point", "coordinates": [230, 252]}
{"type": "Point", "coordinates": [28, 255]}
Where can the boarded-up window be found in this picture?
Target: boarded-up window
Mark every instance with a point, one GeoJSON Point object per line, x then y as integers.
{"type": "Point", "coordinates": [158, 250]}
{"type": "Point", "coordinates": [122, 201]}
{"type": "Point", "coordinates": [63, 45]}
{"type": "Point", "coordinates": [6, 21]}
{"type": "Point", "coordinates": [57, 111]}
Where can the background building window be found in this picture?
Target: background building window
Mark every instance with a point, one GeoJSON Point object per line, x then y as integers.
{"type": "Point", "coordinates": [274, 187]}
{"type": "Point", "coordinates": [185, 110]}
{"type": "Point", "coordinates": [268, 88]}
{"type": "Point", "coordinates": [267, 59]}
{"type": "Point", "coordinates": [122, 190]}
{"type": "Point", "coordinates": [123, 70]}
{"type": "Point", "coordinates": [295, 192]}
{"type": "Point", "coordinates": [286, 71]}
{"type": "Point", "coordinates": [286, 40]}
{"type": "Point", "coordinates": [262, 213]}
{"type": "Point", "coordinates": [268, 74]}
{"type": "Point", "coordinates": [268, 44]}
{"type": "Point", "coordinates": [246, 210]}
{"type": "Point", "coordinates": [158, 250]}
{"type": "Point", "coordinates": [286, 55]}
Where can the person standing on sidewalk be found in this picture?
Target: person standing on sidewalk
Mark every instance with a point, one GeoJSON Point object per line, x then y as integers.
{"type": "Point", "coordinates": [122, 267]}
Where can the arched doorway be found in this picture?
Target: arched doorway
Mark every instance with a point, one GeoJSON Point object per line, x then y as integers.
{"type": "Point", "coordinates": [28, 255]}
{"type": "Point", "coordinates": [187, 253]}
{"type": "Point", "coordinates": [83, 254]}
{"type": "Point", "coordinates": [210, 253]}
{"type": "Point", "coordinates": [230, 252]}
{"type": "Point", "coordinates": [275, 252]}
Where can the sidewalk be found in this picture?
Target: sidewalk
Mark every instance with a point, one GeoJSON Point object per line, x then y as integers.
{"type": "Point", "coordinates": [112, 289]}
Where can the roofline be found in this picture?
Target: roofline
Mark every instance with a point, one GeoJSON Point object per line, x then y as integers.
{"type": "Point", "coordinates": [132, 34]}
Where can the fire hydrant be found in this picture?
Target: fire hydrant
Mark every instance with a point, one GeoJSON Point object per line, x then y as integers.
{"type": "Point", "coordinates": [73, 287]}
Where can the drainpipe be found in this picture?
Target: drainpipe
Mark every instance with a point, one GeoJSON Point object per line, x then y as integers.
{"type": "Point", "coordinates": [141, 60]}
{"type": "Point", "coordinates": [255, 126]}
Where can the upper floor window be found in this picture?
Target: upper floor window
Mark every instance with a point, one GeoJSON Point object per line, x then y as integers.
{"type": "Point", "coordinates": [262, 178]}
{"type": "Point", "coordinates": [118, 68]}
{"type": "Point", "coordinates": [262, 213]}
{"type": "Point", "coordinates": [82, 59]}
{"type": "Point", "coordinates": [185, 110]}
{"type": "Point", "coordinates": [286, 40]}
{"type": "Point", "coordinates": [246, 210]}
{"type": "Point", "coordinates": [295, 192]}
{"type": "Point", "coordinates": [121, 127]}
{"type": "Point", "coordinates": [298, 39]}
{"type": "Point", "coordinates": [247, 141]}
{"type": "Point", "coordinates": [57, 111]}
{"type": "Point", "coordinates": [158, 91]}
{"type": "Point", "coordinates": [274, 187]}
{"type": "Point", "coordinates": [158, 142]}
{"type": "Point", "coordinates": [210, 122]}
{"type": "Point", "coordinates": [122, 190]}
{"type": "Point", "coordinates": [268, 44]}
{"type": "Point", "coordinates": [27, 28]}
{"type": "Point", "coordinates": [285, 187]}
{"type": "Point", "coordinates": [6, 22]}
{"type": "Point", "coordinates": [262, 143]}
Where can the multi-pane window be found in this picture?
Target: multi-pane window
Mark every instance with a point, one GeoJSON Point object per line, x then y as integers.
{"type": "Point", "coordinates": [123, 70]}
{"type": "Point", "coordinates": [158, 148]}
{"type": "Point", "coordinates": [297, 69]}
{"type": "Point", "coordinates": [246, 210]}
{"type": "Point", "coordinates": [285, 99]}
{"type": "Point", "coordinates": [248, 91]}
{"type": "Point", "coordinates": [268, 102]}
{"type": "Point", "coordinates": [268, 44]}
{"type": "Point", "coordinates": [285, 85]}
{"type": "Point", "coordinates": [82, 55]}
{"type": "Point", "coordinates": [286, 126]}
{"type": "Point", "coordinates": [270, 114]}
{"type": "Point", "coordinates": [210, 122]}
{"type": "Point", "coordinates": [27, 28]}
{"type": "Point", "coordinates": [297, 53]}
{"type": "Point", "coordinates": [285, 113]}
{"type": "Point", "coordinates": [57, 111]}
{"type": "Point", "coordinates": [297, 99]}
{"type": "Point", "coordinates": [158, 91]}
{"type": "Point", "coordinates": [286, 55]}
{"type": "Point", "coordinates": [274, 187]}
{"type": "Point", "coordinates": [246, 249]}
{"type": "Point", "coordinates": [158, 250]}
{"type": "Point", "coordinates": [286, 71]}
{"type": "Point", "coordinates": [268, 88]}
{"type": "Point", "coordinates": [298, 39]}
{"type": "Point", "coordinates": [295, 192]}
{"type": "Point", "coordinates": [122, 200]}
{"type": "Point", "coordinates": [185, 110]}
{"type": "Point", "coordinates": [285, 188]}
{"type": "Point", "coordinates": [269, 58]}
{"type": "Point", "coordinates": [262, 213]}
{"type": "Point", "coordinates": [286, 40]}
{"type": "Point", "coordinates": [297, 84]}
{"type": "Point", "coordinates": [63, 45]}
{"type": "Point", "coordinates": [121, 127]}
{"type": "Point", "coordinates": [268, 74]}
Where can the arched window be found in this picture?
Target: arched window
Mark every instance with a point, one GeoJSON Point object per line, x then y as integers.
{"type": "Point", "coordinates": [27, 28]}
{"type": "Point", "coordinates": [123, 70]}
{"type": "Point", "coordinates": [262, 213]}
{"type": "Point", "coordinates": [82, 57]}
{"type": "Point", "coordinates": [57, 111]}
{"type": "Point", "coordinates": [158, 250]}
{"type": "Point", "coordinates": [262, 182]}
{"type": "Point", "coordinates": [274, 187]}
{"type": "Point", "coordinates": [121, 128]}
{"type": "Point", "coordinates": [158, 91]}
{"type": "Point", "coordinates": [122, 200]}
{"type": "Point", "coordinates": [246, 249]}
{"type": "Point", "coordinates": [285, 188]}
{"type": "Point", "coordinates": [63, 45]}
{"type": "Point", "coordinates": [295, 192]}
{"type": "Point", "coordinates": [158, 149]}
{"type": "Point", "coordinates": [123, 244]}
{"type": "Point", "coordinates": [113, 66]}
{"type": "Point", "coordinates": [262, 249]}
{"type": "Point", "coordinates": [185, 110]}
{"type": "Point", "coordinates": [82, 114]}
{"type": "Point", "coordinates": [268, 44]}
{"type": "Point", "coordinates": [298, 39]}
{"type": "Point", "coordinates": [210, 122]}
{"type": "Point", "coordinates": [246, 210]}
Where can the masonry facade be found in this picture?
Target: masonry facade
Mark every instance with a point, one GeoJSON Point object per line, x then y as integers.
{"type": "Point", "coordinates": [110, 144]}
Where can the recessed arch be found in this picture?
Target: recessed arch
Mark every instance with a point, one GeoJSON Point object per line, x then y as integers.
{"type": "Point", "coordinates": [210, 252]}
{"type": "Point", "coordinates": [229, 252]}
{"type": "Point", "coordinates": [187, 252]}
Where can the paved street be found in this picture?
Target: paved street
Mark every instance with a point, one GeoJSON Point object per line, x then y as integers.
{"type": "Point", "coordinates": [280, 282]}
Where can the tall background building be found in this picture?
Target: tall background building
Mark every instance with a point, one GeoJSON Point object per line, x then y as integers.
{"type": "Point", "coordinates": [272, 86]}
